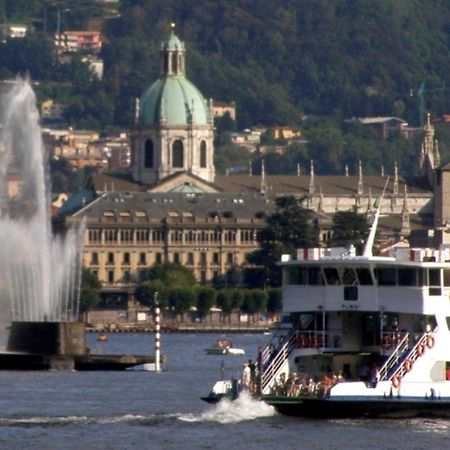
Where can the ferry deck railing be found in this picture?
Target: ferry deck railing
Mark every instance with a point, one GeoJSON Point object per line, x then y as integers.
{"type": "Point", "coordinates": [406, 361]}
{"type": "Point", "coordinates": [274, 357]}
{"type": "Point", "coordinates": [395, 357]}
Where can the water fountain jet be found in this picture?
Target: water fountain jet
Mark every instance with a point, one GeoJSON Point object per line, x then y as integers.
{"type": "Point", "coordinates": [39, 272]}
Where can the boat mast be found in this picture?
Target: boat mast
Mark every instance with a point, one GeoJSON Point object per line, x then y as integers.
{"type": "Point", "coordinates": [373, 229]}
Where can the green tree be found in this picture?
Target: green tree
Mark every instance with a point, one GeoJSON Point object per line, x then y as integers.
{"type": "Point", "coordinates": [89, 290]}
{"type": "Point", "coordinates": [274, 301]}
{"type": "Point", "coordinates": [171, 274]}
{"type": "Point", "coordinates": [290, 227]}
{"type": "Point", "coordinates": [181, 300]}
{"type": "Point", "coordinates": [145, 293]}
{"type": "Point", "coordinates": [237, 299]}
{"type": "Point", "coordinates": [206, 298]}
{"type": "Point", "coordinates": [349, 228]}
{"type": "Point", "coordinates": [225, 302]}
{"type": "Point", "coordinates": [255, 301]}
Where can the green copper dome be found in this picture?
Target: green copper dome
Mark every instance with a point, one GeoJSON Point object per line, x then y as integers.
{"type": "Point", "coordinates": [173, 100]}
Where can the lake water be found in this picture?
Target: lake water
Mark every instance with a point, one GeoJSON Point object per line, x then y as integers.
{"type": "Point", "coordinates": [147, 410]}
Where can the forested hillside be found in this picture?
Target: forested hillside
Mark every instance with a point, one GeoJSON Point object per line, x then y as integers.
{"type": "Point", "coordinates": [281, 61]}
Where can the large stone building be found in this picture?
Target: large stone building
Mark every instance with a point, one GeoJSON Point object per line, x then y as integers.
{"type": "Point", "coordinates": [174, 207]}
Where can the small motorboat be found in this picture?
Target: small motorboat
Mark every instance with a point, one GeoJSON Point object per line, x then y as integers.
{"type": "Point", "coordinates": [228, 389]}
{"type": "Point", "coordinates": [224, 347]}
{"type": "Point", "coordinates": [102, 338]}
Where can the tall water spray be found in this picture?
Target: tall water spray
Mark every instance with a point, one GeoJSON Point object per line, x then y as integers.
{"type": "Point", "coordinates": [39, 273]}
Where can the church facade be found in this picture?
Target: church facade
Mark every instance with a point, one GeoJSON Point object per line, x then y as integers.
{"type": "Point", "coordinates": [177, 209]}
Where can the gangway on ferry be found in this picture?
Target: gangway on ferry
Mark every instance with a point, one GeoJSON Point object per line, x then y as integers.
{"type": "Point", "coordinates": [274, 360]}
{"type": "Point", "coordinates": [402, 359]}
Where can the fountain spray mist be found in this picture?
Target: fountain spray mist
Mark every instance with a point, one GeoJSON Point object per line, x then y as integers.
{"type": "Point", "coordinates": [39, 273]}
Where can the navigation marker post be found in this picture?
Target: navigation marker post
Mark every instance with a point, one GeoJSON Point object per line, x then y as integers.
{"type": "Point", "coordinates": [157, 333]}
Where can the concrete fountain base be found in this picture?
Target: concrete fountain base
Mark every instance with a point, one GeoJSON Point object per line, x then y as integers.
{"type": "Point", "coordinates": [58, 346]}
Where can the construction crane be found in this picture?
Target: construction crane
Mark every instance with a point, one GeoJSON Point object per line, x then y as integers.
{"type": "Point", "coordinates": [421, 95]}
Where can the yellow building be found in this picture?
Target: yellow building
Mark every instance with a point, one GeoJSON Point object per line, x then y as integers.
{"type": "Point", "coordinates": [174, 207]}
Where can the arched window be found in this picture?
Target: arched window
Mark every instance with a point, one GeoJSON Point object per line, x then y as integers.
{"type": "Point", "coordinates": [166, 64]}
{"type": "Point", "coordinates": [148, 157]}
{"type": "Point", "coordinates": [174, 63]}
{"type": "Point", "coordinates": [177, 154]}
{"type": "Point", "coordinates": [203, 154]}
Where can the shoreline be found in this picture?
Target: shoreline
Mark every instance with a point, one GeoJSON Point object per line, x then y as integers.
{"type": "Point", "coordinates": [176, 329]}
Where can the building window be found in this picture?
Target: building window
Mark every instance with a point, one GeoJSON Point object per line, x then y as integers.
{"type": "Point", "coordinates": [203, 154]}
{"type": "Point", "coordinates": [110, 276]}
{"type": "Point", "coordinates": [142, 275]}
{"type": "Point", "coordinates": [158, 236]}
{"type": "Point", "coordinates": [110, 258]}
{"type": "Point", "coordinates": [203, 277]}
{"type": "Point", "coordinates": [190, 259]}
{"type": "Point", "coordinates": [126, 235]}
{"type": "Point", "coordinates": [126, 276]}
{"type": "Point", "coordinates": [215, 258]}
{"type": "Point", "coordinates": [111, 236]}
{"type": "Point", "coordinates": [177, 154]}
{"type": "Point", "coordinates": [94, 235]}
{"type": "Point", "coordinates": [126, 258]}
{"type": "Point", "coordinates": [143, 258]}
{"type": "Point", "coordinates": [230, 258]}
{"type": "Point", "coordinates": [142, 235]}
{"type": "Point", "coordinates": [203, 258]}
{"type": "Point", "coordinates": [94, 258]}
{"type": "Point", "coordinates": [176, 258]}
{"type": "Point", "coordinates": [149, 154]}
{"type": "Point", "coordinates": [158, 258]}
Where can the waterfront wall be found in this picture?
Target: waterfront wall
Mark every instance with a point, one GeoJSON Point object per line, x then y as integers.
{"type": "Point", "coordinates": [123, 321]}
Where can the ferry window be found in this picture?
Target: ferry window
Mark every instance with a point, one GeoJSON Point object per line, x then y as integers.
{"type": "Point", "coordinates": [407, 277]}
{"type": "Point", "coordinates": [420, 277]}
{"type": "Point", "coordinates": [315, 276]}
{"type": "Point", "coordinates": [296, 275]}
{"type": "Point", "coordinates": [349, 277]}
{"type": "Point", "coordinates": [434, 277]}
{"type": "Point", "coordinates": [446, 277]}
{"type": "Point", "coordinates": [351, 293]}
{"type": "Point", "coordinates": [434, 281]}
{"type": "Point", "coordinates": [364, 277]}
{"type": "Point", "coordinates": [331, 275]}
{"type": "Point", "coordinates": [386, 277]}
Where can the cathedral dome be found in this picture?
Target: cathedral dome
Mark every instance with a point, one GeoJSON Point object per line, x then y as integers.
{"type": "Point", "coordinates": [173, 100]}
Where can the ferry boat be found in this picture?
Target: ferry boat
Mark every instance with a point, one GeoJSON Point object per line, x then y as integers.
{"type": "Point", "coordinates": [369, 335]}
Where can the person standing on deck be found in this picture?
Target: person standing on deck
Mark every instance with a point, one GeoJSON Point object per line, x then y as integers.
{"type": "Point", "coordinates": [246, 376]}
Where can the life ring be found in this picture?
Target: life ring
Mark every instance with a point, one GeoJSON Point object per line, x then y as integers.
{"type": "Point", "coordinates": [396, 381]}
{"type": "Point", "coordinates": [408, 365]}
{"type": "Point", "coordinates": [430, 341]}
{"type": "Point", "coordinates": [420, 350]}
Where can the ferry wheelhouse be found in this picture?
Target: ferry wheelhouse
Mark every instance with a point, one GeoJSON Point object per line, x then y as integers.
{"type": "Point", "coordinates": [368, 335]}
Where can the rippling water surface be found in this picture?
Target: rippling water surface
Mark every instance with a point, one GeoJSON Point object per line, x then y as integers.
{"type": "Point", "coordinates": [146, 410]}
